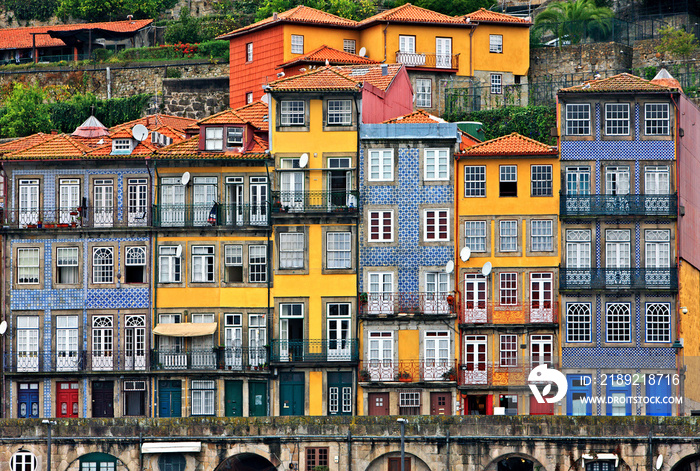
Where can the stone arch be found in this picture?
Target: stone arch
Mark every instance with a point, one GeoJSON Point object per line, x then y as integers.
{"type": "Point", "coordinates": [380, 462]}
{"type": "Point", "coordinates": [514, 462]}
{"type": "Point", "coordinates": [246, 462]}
{"type": "Point", "coordinates": [75, 464]}
{"type": "Point", "coordinates": [687, 463]}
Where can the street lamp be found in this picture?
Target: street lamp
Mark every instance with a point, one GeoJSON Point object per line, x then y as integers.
{"type": "Point", "coordinates": [48, 423]}
{"type": "Point", "coordinates": [403, 423]}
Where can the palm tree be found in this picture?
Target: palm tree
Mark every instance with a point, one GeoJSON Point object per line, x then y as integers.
{"type": "Point", "coordinates": [574, 20]}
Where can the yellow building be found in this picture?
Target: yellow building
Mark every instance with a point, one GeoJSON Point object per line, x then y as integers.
{"type": "Point", "coordinates": [507, 205]}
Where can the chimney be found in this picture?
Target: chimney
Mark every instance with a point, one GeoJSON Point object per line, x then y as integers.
{"type": "Point", "coordinates": [54, 132]}
{"type": "Point", "coordinates": [385, 69]}
{"type": "Point", "coordinates": [274, 16]}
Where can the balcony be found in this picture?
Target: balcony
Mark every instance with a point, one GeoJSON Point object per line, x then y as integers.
{"type": "Point", "coordinates": [402, 303]}
{"type": "Point", "coordinates": [428, 61]}
{"type": "Point", "coordinates": [64, 218]}
{"type": "Point", "coordinates": [208, 215]}
{"type": "Point", "coordinates": [74, 361]}
{"type": "Point", "coordinates": [407, 371]}
{"type": "Point", "coordinates": [335, 202]}
{"type": "Point", "coordinates": [576, 279]}
{"type": "Point", "coordinates": [619, 205]}
{"type": "Point", "coordinates": [493, 313]}
{"type": "Point", "coordinates": [494, 374]}
{"type": "Point", "coordinates": [216, 358]}
{"type": "Point", "coordinates": [312, 351]}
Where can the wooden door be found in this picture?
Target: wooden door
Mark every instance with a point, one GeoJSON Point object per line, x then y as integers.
{"type": "Point", "coordinates": [395, 463]}
{"type": "Point", "coordinates": [233, 398]}
{"type": "Point", "coordinates": [103, 399]}
{"type": "Point", "coordinates": [67, 399]}
{"type": "Point", "coordinates": [440, 403]}
{"type": "Point", "coordinates": [378, 403]}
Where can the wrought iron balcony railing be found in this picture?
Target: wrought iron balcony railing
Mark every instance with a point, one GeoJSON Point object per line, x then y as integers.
{"type": "Point", "coordinates": [534, 312]}
{"type": "Point", "coordinates": [407, 371]}
{"type": "Point", "coordinates": [619, 205]}
{"type": "Point", "coordinates": [70, 218]}
{"type": "Point", "coordinates": [296, 351]}
{"type": "Point", "coordinates": [396, 303]}
{"type": "Point", "coordinates": [290, 202]}
{"type": "Point", "coordinates": [665, 279]}
{"type": "Point", "coordinates": [497, 374]}
{"type": "Point", "coordinates": [430, 61]}
{"type": "Point", "coordinates": [215, 358]}
{"type": "Point", "coordinates": [208, 215]}
{"type": "Point", "coordinates": [66, 361]}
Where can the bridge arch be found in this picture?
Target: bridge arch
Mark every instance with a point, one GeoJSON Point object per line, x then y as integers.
{"type": "Point", "coordinates": [514, 461]}
{"type": "Point", "coordinates": [246, 462]}
{"type": "Point", "coordinates": [392, 461]}
{"type": "Point", "coordinates": [687, 463]}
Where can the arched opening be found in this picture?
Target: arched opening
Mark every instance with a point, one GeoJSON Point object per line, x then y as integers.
{"type": "Point", "coordinates": [392, 462]}
{"type": "Point", "coordinates": [515, 463]}
{"type": "Point", "coordinates": [688, 463]}
{"type": "Point", "coordinates": [246, 462]}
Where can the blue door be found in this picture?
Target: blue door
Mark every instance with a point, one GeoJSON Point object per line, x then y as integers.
{"type": "Point", "coordinates": [28, 400]}
{"type": "Point", "coordinates": [658, 389]}
{"type": "Point", "coordinates": [580, 389]}
{"type": "Point", "coordinates": [169, 399]}
{"type": "Point", "coordinates": [618, 397]}
{"type": "Point", "coordinates": [291, 393]}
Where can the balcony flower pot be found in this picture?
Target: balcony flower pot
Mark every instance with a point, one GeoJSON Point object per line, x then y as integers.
{"type": "Point", "coordinates": [365, 376]}
{"type": "Point", "coordinates": [73, 224]}
{"type": "Point", "coordinates": [363, 298]}
{"type": "Point", "coordinates": [63, 225]}
{"type": "Point", "coordinates": [39, 224]}
{"type": "Point", "coordinates": [404, 377]}
{"type": "Point", "coordinates": [49, 225]}
{"type": "Point", "coordinates": [450, 375]}
{"type": "Point", "coordinates": [31, 226]}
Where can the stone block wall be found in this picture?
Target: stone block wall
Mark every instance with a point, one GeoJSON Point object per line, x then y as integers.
{"type": "Point", "coordinates": [195, 97]}
{"type": "Point", "coordinates": [580, 58]}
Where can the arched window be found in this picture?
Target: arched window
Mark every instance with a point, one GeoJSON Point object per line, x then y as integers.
{"type": "Point", "coordinates": [171, 462]}
{"type": "Point", "coordinates": [23, 461]}
{"type": "Point", "coordinates": [98, 462]}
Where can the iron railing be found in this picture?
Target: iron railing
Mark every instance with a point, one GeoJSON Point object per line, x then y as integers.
{"type": "Point", "coordinates": [210, 215]}
{"type": "Point", "coordinates": [396, 303]}
{"type": "Point", "coordinates": [295, 351]}
{"type": "Point", "coordinates": [314, 201]}
{"type": "Point", "coordinates": [426, 60]}
{"type": "Point", "coordinates": [407, 371]}
{"type": "Point", "coordinates": [664, 279]}
{"type": "Point", "coordinates": [215, 358]}
{"type": "Point", "coordinates": [70, 218]}
{"type": "Point", "coordinates": [497, 374]}
{"type": "Point", "coordinates": [618, 205]}
{"type": "Point", "coordinates": [41, 361]}
{"type": "Point", "coordinates": [535, 312]}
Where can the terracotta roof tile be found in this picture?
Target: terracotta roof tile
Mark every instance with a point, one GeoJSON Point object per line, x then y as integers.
{"type": "Point", "coordinates": [324, 79]}
{"type": "Point", "coordinates": [483, 15]}
{"type": "Point", "coordinates": [333, 56]}
{"type": "Point", "coordinates": [408, 13]}
{"type": "Point", "coordinates": [59, 147]}
{"type": "Point", "coordinates": [189, 149]}
{"type": "Point", "coordinates": [467, 141]}
{"type": "Point", "coordinates": [371, 74]}
{"type": "Point", "coordinates": [24, 142]}
{"type": "Point", "coordinates": [512, 144]}
{"type": "Point", "coordinates": [299, 14]}
{"type": "Point", "coordinates": [227, 116]}
{"type": "Point", "coordinates": [618, 83]}
{"type": "Point", "coordinates": [153, 120]}
{"type": "Point", "coordinates": [419, 116]}
{"type": "Point", "coordinates": [256, 114]}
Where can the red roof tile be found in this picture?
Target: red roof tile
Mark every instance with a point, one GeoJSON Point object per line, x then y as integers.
{"type": "Point", "coordinates": [483, 15]}
{"type": "Point", "coordinates": [408, 13]}
{"type": "Point", "coordinates": [154, 120]}
{"type": "Point", "coordinates": [59, 147]}
{"type": "Point", "coordinates": [323, 79]}
{"type": "Point", "coordinates": [419, 116]}
{"type": "Point", "coordinates": [189, 149]}
{"type": "Point", "coordinates": [24, 142]}
{"type": "Point", "coordinates": [618, 83]}
{"type": "Point", "coordinates": [228, 116]}
{"type": "Point", "coordinates": [512, 145]}
{"type": "Point", "coordinates": [371, 74]}
{"type": "Point", "coordinates": [256, 114]}
{"type": "Point", "coordinates": [333, 56]}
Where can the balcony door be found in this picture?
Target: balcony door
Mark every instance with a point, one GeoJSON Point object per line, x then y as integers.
{"type": "Point", "coordinates": [657, 187]}
{"type": "Point", "coordinates": [102, 343]}
{"type": "Point", "coordinates": [28, 202]}
{"type": "Point", "coordinates": [67, 343]}
{"type": "Point", "coordinates": [257, 339]}
{"type": "Point", "coordinates": [541, 294]}
{"type": "Point", "coordinates": [474, 362]}
{"type": "Point", "coordinates": [170, 349]}
{"type": "Point", "coordinates": [443, 53]}
{"type": "Point", "coordinates": [203, 354]}
{"type": "Point", "coordinates": [657, 248]}
{"type": "Point", "coordinates": [381, 356]}
{"type": "Point", "coordinates": [172, 202]}
{"type": "Point", "coordinates": [475, 298]}
{"type": "Point", "coordinates": [617, 190]}
{"type": "Point", "coordinates": [135, 343]}
{"type": "Point", "coordinates": [437, 285]}
{"type": "Point", "coordinates": [69, 198]}
{"type": "Point", "coordinates": [380, 296]}
{"type": "Point", "coordinates": [578, 184]}
{"type": "Point", "coordinates": [540, 350]}
{"type": "Point", "coordinates": [291, 332]}
{"type": "Point", "coordinates": [27, 343]}
{"type": "Point", "coordinates": [436, 355]}
{"type": "Point", "coordinates": [291, 186]}
{"type": "Point", "coordinates": [138, 201]}
{"type": "Point", "coordinates": [340, 183]}
{"type": "Point", "coordinates": [339, 344]}
{"type": "Point", "coordinates": [617, 258]}
{"type": "Point", "coordinates": [258, 200]}
{"type": "Point", "coordinates": [578, 257]}
{"type": "Point", "coordinates": [233, 341]}
{"type": "Point", "coordinates": [103, 202]}
{"type": "Point", "coordinates": [234, 201]}
{"type": "Point", "coordinates": [205, 194]}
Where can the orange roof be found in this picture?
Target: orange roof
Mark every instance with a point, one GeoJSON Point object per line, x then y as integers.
{"type": "Point", "coordinates": [189, 149]}
{"type": "Point", "coordinates": [483, 15]}
{"type": "Point", "coordinates": [152, 121]}
{"type": "Point", "coordinates": [467, 141]}
{"type": "Point", "coordinates": [326, 78]}
{"type": "Point", "coordinates": [419, 116]}
{"type": "Point", "coordinates": [21, 38]}
{"type": "Point", "coordinates": [24, 142]}
{"type": "Point", "coordinates": [333, 56]}
{"type": "Point", "coordinates": [371, 74]}
{"type": "Point", "coordinates": [511, 144]}
{"type": "Point", "coordinates": [299, 14]}
{"type": "Point", "coordinates": [59, 147]}
{"type": "Point", "coordinates": [618, 83]}
{"type": "Point", "coordinates": [408, 13]}
{"type": "Point", "coordinates": [228, 116]}
{"type": "Point", "coordinates": [255, 113]}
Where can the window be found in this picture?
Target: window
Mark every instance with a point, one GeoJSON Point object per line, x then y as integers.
{"type": "Point", "coordinates": [424, 93]}
{"type": "Point", "coordinates": [257, 264]}
{"type": "Point", "coordinates": [541, 180]}
{"type": "Point", "coordinates": [135, 399]}
{"type": "Point", "coordinates": [381, 226]}
{"type": "Point", "coordinates": [338, 249]}
{"type": "Point", "coordinates": [508, 180]}
{"type": "Point", "coordinates": [349, 46]}
{"type": "Point", "coordinates": [23, 461]}
{"type": "Point", "coordinates": [509, 236]}
{"type": "Point", "coordinates": [292, 113]}
{"type": "Point", "coordinates": [578, 120]}
{"type": "Point", "coordinates": [509, 402]}
{"type": "Point", "coordinates": [496, 43]}
{"type": "Point", "coordinates": [578, 322]}
{"type": "Point", "coordinates": [292, 250]}
{"type": "Point", "coordinates": [409, 403]}
{"type": "Point", "coordinates": [249, 52]}
{"type": "Point", "coordinates": [316, 457]}
{"type": "Point", "coordinates": [657, 248]}
{"type": "Point", "coordinates": [618, 322]}
{"type": "Point", "coordinates": [601, 465]}
{"type": "Point", "coordinates": [496, 84]}
{"type": "Point", "coordinates": [436, 225]}
{"type": "Point", "coordinates": [122, 144]}
{"type": "Point", "coordinates": [436, 164]}
{"type": "Point", "coordinates": [98, 462]}
{"type": "Point", "coordinates": [214, 139]}
{"type": "Point", "coordinates": [234, 137]}
{"type": "Point", "coordinates": [169, 264]}
{"type": "Point", "coordinates": [203, 397]}
{"type": "Point", "coordinates": [578, 248]}
{"type": "Point", "coordinates": [657, 181]}
{"type": "Point", "coordinates": [407, 44]}
{"type": "Point", "coordinates": [203, 264]}
{"type": "Point", "coordinates": [339, 112]}
{"type": "Point", "coordinates": [297, 44]}
{"type": "Point", "coordinates": [249, 100]}
{"type": "Point", "coordinates": [656, 119]}
{"type": "Point", "coordinates": [474, 181]}
{"type": "Point", "coordinates": [102, 265]}
{"type": "Point", "coordinates": [381, 165]}
{"type": "Point", "coordinates": [28, 202]}
{"type": "Point", "coordinates": [135, 266]}
{"type": "Point", "coordinates": [541, 233]}
{"type": "Point", "coordinates": [617, 180]}
{"type": "Point", "coordinates": [381, 293]}
{"type": "Point", "coordinates": [578, 182]}
{"type": "Point", "coordinates": [233, 261]}
{"type": "Point", "coordinates": [509, 350]}
{"type": "Point", "coordinates": [658, 322]}
{"type": "Point", "coordinates": [28, 266]}
{"type": "Point", "coordinates": [67, 265]}
{"type": "Point", "coordinates": [475, 235]}
{"type": "Point", "coordinates": [171, 462]}
{"type": "Point", "coordinates": [508, 293]}
{"type": "Point", "coordinates": [617, 253]}
{"type": "Point", "coordinates": [617, 119]}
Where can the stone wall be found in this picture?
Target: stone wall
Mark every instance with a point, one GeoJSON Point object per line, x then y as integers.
{"type": "Point", "coordinates": [585, 59]}
{"type": "Point", "coordinates": [195, 97]}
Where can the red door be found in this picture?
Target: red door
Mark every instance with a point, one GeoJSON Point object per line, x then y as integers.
{"type": "Point", "coordinates": [378, 403]}
{"type": "Point", "coordinates": [395, 463]}
{"type": "Point", "coordinates": [540, 409]}
{"type": "Point", "coordinates": [440, 403]}
{"type": "Point", "coordinates": [67, 399]}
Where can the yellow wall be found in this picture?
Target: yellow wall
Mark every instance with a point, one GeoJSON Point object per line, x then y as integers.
{"type": "Point", "coordinates": [316, 393]}
{"type": "Point", "coordinates": [315, 37]}
{"type": "Point", "coordinates": [689, 297]}
{"type": "Point", "coordinates": [516, 49]}
{"type": "Point", "coordinates": [409, 345]}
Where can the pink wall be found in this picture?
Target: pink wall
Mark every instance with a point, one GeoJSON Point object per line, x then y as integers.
{"type": "Point", "coordinates": [689, 188]}
{"type": "Point", "coordinates": [378, 106]}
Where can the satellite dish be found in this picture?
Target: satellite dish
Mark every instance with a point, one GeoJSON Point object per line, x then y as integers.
{"type": "Point", "coordinates": [178, 251]}
{"type": "Point", "coordinates": [264, 99]}
{"type": "Point", "coordinates": [140, 132]}
{"type": "Point", "coordinates": [185, 179]}
{"type": "Point", "coordinates": [449, 267]}
{"type": "Point", "coordinates": [486, 269]}
{"type": "Point", "coordinates": [3, 329]}
{"type": "Point", "coordinates": [465, 253]}
{"type": "Point", "coordinates": [304, 160]}
{"type": "Point", "coordinates": [363, 51]}
{"type": "Point", "coordinates": [659, 460]}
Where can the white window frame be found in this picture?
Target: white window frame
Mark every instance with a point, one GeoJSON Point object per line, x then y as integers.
{"type": "Point", "coordinates": [657, 248]}
{"type": "Point", "coordinates": [658, 324]}
{"type": "Point", "coordinates": [339, 113]}
{"type": "Point", "coordinates": [578, 323]}
{"type": "Point", "coordinates": [349, 46]}
{"type": "Point", "coordinates": [339, 251]}
{"type": "Point", "coordinates": [234, 132]}
{"type": "Point", "coordinates": [657, 119]}
{"type": "Point", "coordinates": [496, 84]}
{"type": "Point", "coordinates": [578, 248]}
{"type": "Point", "coordinates": [407, 44]}
{"type": "Point", "coordinates": [541, 180]}
{"type": "Point", "coordinates": [474, 187]}
{"type": "Point", "coordinates": [496, 43]}
{"type": "Point", "coordinates": [255, 254]}
{"type": "Point", "coordinates": [203, 397]}
{"type": "Point", "coordinates": [291, 250]}
{"type": "Point", "coordinates": [617, 119]}
{"type": "Point", "coordinates": [507, 296]}
{"type": "Point", "coordinates": [214, 138]}
{"type": "Point", "coordinates": [475, 235]}
{"type": "Point", "coordinates": [436, 164]}
{"type": "Point", "coordinates": [297, 43]}
{"type": "Point", "coordinates": [424, 93]}
{"type": "Point", "coordinates": [23, 461]}
{"type": "Point", "coordinates": [122, 144]}
{"type": "Point", "coordinates": [508, 350]}
{"type": "Point", "coordinates": [28, 266]}
{"type": "Point", "coordinates": [508, 241]}
{"type": "Point", "coordinates": [167, 257]}
{"type": "Point", "coordinates": [380, 166]}
{"type": "Point", "coordinates": [578, 119]}
{"type": "Point", "coordinates": [541, 235]}
{"type": "Point", "coordinates": [618, 330]}
{"type": "Point", "coordinates": [440, 218]}
{"type": "Point", "coordinates": [249, 52]}
{"type": "Point", "coordinates": [377, 219]}
{"type": "Point", "coordinates": [108, 271]}
{"type": "Point", "coordinates": [203, 255]}
{"type": "Point", "coordinates": [68, 261]}
{"type": "Point", "coordinates": [292, 113]}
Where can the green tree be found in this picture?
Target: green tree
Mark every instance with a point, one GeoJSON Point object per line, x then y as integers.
{"type": "Point", "coordinates": [31, 9]}
{"type": "Point", "coordinates": [677, 42]}
{"type": "Point", "coordinates": [102, 10]}
{"type": "Point", "coordinates": [186, 30]}
{"type": "Point", "coordinates": [574, 20]}
{"type": "Point", "coordinates": [352, 9]}
{"type": "Point", "coordinates": [450, 7]}
{"type": "Point", "coordinates": [25, 112]}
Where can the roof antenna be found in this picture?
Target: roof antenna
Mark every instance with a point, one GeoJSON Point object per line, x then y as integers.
{"type": "Point", "coordinates": [92, 108]}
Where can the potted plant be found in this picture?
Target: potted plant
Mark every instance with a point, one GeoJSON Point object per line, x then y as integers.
{"type": "Point", "coordinates": [39, 224]}
{"type": "Point", "coordinates": [363, 298]}
{"type": "Point", "coordinates": [404, 377]}
{"type": "Point", "coordinates": [364, 375]}
{"type": "Point", "coordinates": [451, 300]}
{"type": "Point", "coordinates": [276, 206]}
{"type": "Point", "coordinates": [450, 375]}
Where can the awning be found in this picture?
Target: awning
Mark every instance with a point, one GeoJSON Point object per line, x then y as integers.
{"type": "Point", "coordinates": [185, 329]}
{"type": "Point", "coordinates": [172, 447]}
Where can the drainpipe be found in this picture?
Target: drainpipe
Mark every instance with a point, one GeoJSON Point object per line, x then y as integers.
{"type": "Point", "coordinates": [350, 451]}
{"type": "Point", "coordinates": [270, 313]}
{"type": "Point", "coordinates": [109, 83]}
{"type": "Point", "coordinates": [471, 52]}
{"type": "Point", "coordinates": [385, 28]}
{"type": "Point", "coordinates": [679, 352]}
{"type": "Point", "coordinates": [447, 452]}
{"type": "Point", "coordinates": [140, 451]}
{"type": "Point", "coordinates": [48, 424]}
{"type": "Point", "coordinates": [458, 298]}
{"type": "Point", "coordinates": [358, 331]}
{"type": "Point", "coordinates": [154, 386]}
